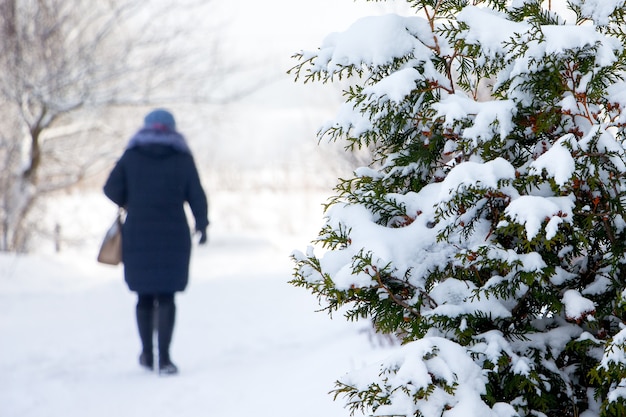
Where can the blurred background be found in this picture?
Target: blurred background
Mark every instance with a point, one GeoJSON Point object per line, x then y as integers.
{"type": "Point", "coordinates": [77, 77]}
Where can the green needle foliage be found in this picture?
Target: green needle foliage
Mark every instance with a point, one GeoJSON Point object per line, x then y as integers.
{"type": "Point", "coordinates": [488, 232]}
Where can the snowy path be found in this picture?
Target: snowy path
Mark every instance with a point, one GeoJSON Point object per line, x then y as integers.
{"type": "Point", "coordinates": [246, 342]}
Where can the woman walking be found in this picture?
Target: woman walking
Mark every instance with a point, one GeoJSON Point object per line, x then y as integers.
{"type": "Point", "coordinates": [153, 180]}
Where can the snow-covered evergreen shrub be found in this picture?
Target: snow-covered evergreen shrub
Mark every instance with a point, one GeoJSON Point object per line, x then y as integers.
{"type": "Point", "coordinates": [488, 233]}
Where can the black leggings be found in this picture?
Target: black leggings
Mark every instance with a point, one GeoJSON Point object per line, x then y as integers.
{"type": "Point", "coordinates": [150, 301]}
{"type": "Point", "coordinates": [159, 308]}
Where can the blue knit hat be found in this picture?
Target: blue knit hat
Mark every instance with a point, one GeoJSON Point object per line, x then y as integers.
{"type": "Point", "coordinates": [160, 119]}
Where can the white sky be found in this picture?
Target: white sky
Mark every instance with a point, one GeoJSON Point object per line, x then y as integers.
{"type": "Point", "coordinates": [290, 25]}
{"type": "Point", "coordinates": [279, 122]}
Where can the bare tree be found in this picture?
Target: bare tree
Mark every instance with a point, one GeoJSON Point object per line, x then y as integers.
{"type": "Point", "coordinates": [61, 60]}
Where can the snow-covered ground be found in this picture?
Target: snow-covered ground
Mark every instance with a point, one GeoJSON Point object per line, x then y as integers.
{"type": "Point", "coordinates": [247, 343]}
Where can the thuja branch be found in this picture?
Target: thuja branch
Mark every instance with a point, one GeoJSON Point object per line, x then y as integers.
{"type": "Point", "coordinates": [377, 276]}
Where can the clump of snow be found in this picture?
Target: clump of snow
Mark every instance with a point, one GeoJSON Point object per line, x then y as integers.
{"type": "Point", "coordinates": [487, 117]}
{"type": "Point", "coordinates": [615, 352]}
{"type": "Point", "coordinates": [434, 363]}
{"type": "Point", "coordinates": [455, 298]}
{"type": "Point", "coordinates": [599, 10]}
{"type": "Point", "coordinates": [617, 95]}
{"type": "Point", "coordinates": [489, 29]}
{"type": "Point", "coordinates": [532, 211]}
{"type": "Point", "coordinates": [615, 356]}
{"type": "Point", "coordinates": [374, 40]}
{"type": "Point", "coordinates": [396, 86]}
{"type": "Point", "coordinates": [470, 173]}
{"type": "Point", "coordinates": [557, 161]}
{"type": "Point", "coordinates": [577, 306]}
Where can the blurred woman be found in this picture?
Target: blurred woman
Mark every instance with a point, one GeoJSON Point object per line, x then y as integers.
{"type": "Point", "coordinates": [152, 181]}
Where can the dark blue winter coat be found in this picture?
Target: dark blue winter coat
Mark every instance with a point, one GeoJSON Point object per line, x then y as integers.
{"type": "Point", "coordinates": [153, 182]}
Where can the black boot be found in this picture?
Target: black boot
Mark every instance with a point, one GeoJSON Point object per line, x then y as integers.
{"type": "Point", "coordinates": [146, 359]}
{"type": "Point", "coordinates": [145, 324]}
{"type": "Point", "coordinates": [166, 318]}
{"type": "Point", "coordinates": [166, 367]}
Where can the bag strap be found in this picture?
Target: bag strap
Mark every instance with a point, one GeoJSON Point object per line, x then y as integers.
{"type": "Point", "coordinates": [121, 215]}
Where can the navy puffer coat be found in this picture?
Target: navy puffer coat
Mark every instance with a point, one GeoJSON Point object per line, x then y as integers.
{"type": "Point", "coordinates": [153, 182]}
